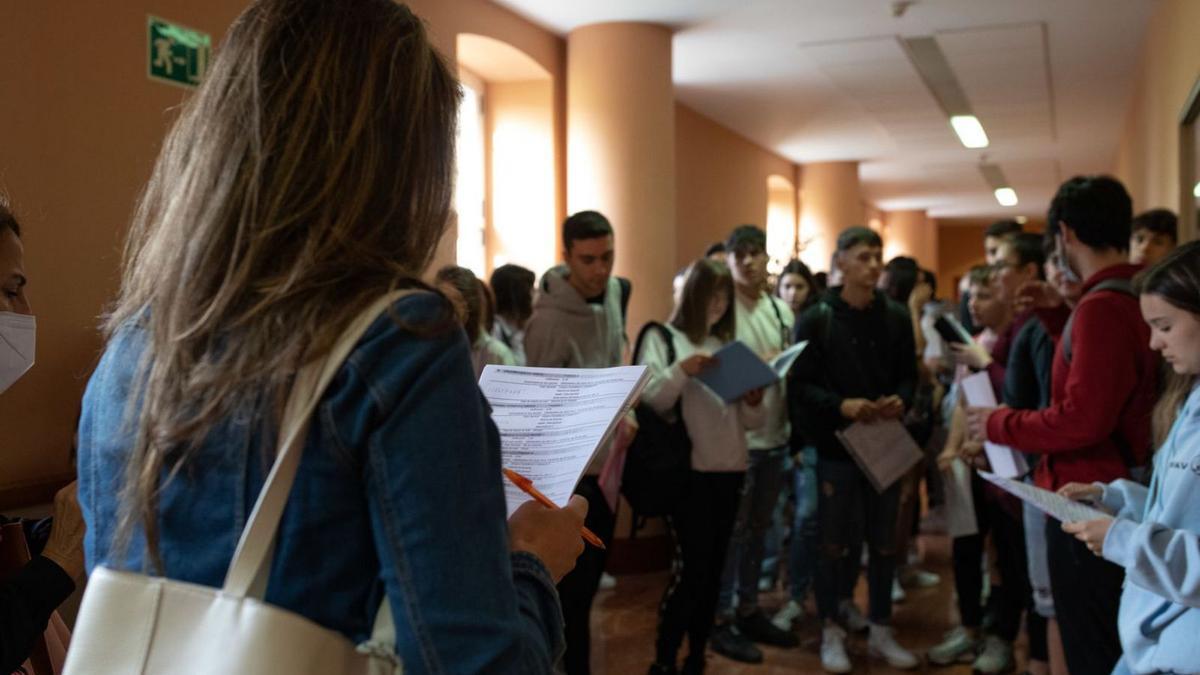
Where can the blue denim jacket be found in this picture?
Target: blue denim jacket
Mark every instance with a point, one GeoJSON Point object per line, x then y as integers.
{"type": "Point", "coordinates": [398, 493]}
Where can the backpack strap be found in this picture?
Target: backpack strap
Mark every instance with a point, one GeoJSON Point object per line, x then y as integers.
{"type": "Point", "coordinates": [663, 331]}
{"type": "Point", "coordinates": [1119, 285]}
{"type": "Point", "coordinates": [784, 338]}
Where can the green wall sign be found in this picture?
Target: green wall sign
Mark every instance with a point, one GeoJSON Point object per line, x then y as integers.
{"type": "Point", "coordinates": [178, 55]}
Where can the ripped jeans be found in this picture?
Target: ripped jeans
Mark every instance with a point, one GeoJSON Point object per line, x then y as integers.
{"type": "Point", "coordinates": [851, 512]}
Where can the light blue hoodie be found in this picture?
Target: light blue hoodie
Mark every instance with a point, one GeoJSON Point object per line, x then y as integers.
{"type": "Point", "coordinates": [1156, 538]}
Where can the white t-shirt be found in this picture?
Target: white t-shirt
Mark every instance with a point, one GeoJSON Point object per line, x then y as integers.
{"type": "Point", "coordinates": [758, 326]}
{"type": "Point", "coordinates": [718, 430]}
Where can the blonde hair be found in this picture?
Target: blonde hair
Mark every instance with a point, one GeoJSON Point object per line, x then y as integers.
{"type": "Point", "coordinates": [310, 173]}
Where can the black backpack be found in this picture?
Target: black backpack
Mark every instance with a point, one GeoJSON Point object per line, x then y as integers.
{"type": "Point", "coordinates": [659, 458]}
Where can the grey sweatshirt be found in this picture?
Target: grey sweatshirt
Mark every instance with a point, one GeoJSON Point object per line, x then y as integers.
{"type": "Point", "coordinates": [567, 331]}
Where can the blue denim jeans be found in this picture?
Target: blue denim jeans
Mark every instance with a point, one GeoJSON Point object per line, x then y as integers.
{"type": "Point", "coordinates": [802, 551]}
{"type": "Point", "coordinates": [743, 562]}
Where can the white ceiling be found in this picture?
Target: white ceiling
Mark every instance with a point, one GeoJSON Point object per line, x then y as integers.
{"type": "Point", "coordinates": [819, 80]}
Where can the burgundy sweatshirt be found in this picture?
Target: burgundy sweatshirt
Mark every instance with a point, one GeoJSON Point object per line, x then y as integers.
{"type": "Point", "coordinates": [1100, 401]}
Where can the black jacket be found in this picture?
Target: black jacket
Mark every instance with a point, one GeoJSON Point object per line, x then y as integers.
{"type": "Point", "coordinates": [1030, 361]}
{"type": "Point", "coordinates": [26, 602]}
{"type": "Point", "coordinates": [851, 353]}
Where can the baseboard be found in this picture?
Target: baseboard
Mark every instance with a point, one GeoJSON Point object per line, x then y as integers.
{"type": "Point", "coordinates": [34, 493]}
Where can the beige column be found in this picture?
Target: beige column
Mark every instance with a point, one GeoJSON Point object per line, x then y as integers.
{"type": "Point", "coordinates": [913, 234]}
{"type": "Point", "coordinates": [621, 151]}
{"type": "Point", "coordinates": [829, 203]}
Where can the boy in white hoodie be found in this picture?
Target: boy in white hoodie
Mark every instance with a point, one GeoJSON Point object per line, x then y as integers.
{"type": "Point", "coordinates": [1155, 531]}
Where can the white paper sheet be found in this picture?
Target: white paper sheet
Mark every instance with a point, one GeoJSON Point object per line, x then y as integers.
{"type": "Point", "coordinates": [883, 450]}
{"type": "Point", "coordinates": [552, 420]}
{"type": "Point", "coordinates": [1050, 503]}
{"type": "Point", "coordinates": [1005, 461]}
{"type": "Point", "coordinates": [960, 502]}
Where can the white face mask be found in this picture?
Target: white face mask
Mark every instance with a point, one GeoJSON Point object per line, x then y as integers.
{"type": "Point", "coordinates": [18, 334]}
{"type": "Point", "coordinates": [1068, 273]}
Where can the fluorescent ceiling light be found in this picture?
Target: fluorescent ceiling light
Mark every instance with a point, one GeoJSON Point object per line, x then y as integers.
{"type": "Point", "coordinates": [969, 131]}
{"type": "Point", "coordinates": [1006, 196]}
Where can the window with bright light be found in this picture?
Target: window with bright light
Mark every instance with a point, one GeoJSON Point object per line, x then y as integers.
{"type": "Point", "coordinates": [469, 195]}
{"type": "Point", "coordinates": [781, 223]}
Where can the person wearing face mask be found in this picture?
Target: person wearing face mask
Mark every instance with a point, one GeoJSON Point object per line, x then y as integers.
{"type": "Point", "coordinates": [1104, 384]}
{"type": "Point", "coordinates": [1154, 533]}
{"type": "Point", "coordinates": [28, 599]}
{"type": "Point", "coordinates": [704, 320]}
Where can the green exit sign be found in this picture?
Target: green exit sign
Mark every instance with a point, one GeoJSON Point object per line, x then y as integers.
{"type": "Point", "coordinates": [178, 55]}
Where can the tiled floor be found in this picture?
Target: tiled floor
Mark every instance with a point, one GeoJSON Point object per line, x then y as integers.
{"type": "Point", "coordinates": [623, 625]}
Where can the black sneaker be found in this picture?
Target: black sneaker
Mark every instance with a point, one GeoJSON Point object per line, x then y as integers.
{"type": "Point", "coordinates": [728, 642]}
{"type": "Point", "coordinates": [693, 664]}
{"type": "Point", "coordinates": [759, 628]}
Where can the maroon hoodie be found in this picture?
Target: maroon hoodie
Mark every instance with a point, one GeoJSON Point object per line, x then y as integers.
{"type": "Point", "coordinates": [1101, 402]}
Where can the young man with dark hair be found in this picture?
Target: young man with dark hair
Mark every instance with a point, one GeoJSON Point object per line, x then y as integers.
{"type": "Point", "coordinates": [764, 324]}
{"type": "Point", "coordinates": [1155, 233]}
{"type": "Point", "coordinates": [578, 321]}
{"type": "Point", "coordinates": [1104, 385]}
{"type": "Point", "coordinates": [860, 365]}
{"type": "Point", "coordinates": [512, 286]}
{"type": "Point", "coordinates": [993, 236]}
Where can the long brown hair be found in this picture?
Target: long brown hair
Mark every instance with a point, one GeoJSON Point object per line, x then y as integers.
{"type": "Point", "coordinates": [1175, 279]}
{"type": "Point", "coordinates": [310, 173]}
{"type": "Point", "coordinates": [705, 278]}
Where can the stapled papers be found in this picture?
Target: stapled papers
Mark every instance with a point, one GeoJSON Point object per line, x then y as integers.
{"type": "Point", "coordinates": [1005, 461]}
{"type": "Point", "coordinates": [552, 420]}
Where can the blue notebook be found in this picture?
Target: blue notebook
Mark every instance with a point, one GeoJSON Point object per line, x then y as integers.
{"type": "Point", "coordinates": [738, 370]}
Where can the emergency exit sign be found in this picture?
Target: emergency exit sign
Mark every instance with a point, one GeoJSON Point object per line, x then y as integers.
{"type": "Point", "coordinates": [178, 55]}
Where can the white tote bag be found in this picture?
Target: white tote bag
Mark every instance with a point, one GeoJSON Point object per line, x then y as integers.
{"type": "Point", "coordinates": [132, 624]}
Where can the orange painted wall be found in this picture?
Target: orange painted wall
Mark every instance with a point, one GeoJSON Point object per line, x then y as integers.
{"type": "Point", "coordinates": [79, 130]}
{"type": "Point", "coordinates": [910, 233]}
{"type": "Point", "coordinates": [1148, 157]}
{"type": "Point", "coordinates": [721, 182]}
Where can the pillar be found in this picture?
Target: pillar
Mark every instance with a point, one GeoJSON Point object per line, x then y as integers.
{"type": "Point", "coordinates": [829, 203]}
{"type": "Point", "coordinates": [913, 234]}
{"type": "Point", "coordinates": [621, 151]}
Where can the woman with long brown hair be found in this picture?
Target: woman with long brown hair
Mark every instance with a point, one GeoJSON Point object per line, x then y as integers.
{"type": "Point", "coordinates": [308, 176]}
{"type": "Point", "coordinates": [702, 322]}
{"type": "Point", "coordinates": [1155, 531]}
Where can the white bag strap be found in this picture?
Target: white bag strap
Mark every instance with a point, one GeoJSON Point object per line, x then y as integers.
{"type": "Point", "coordinates": [257, 542]}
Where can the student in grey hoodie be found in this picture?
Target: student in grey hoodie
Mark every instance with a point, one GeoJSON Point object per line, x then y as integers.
{"type": "Point", "coordinates": [579, 322]}
{"type": "Point", "coordinates": [1155, 534]}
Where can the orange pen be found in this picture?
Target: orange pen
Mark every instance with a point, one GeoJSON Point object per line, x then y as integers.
{"type": "Point", "coordinates": [526, 486]}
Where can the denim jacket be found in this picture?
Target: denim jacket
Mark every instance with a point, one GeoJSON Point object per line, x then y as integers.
{"type": "Point", "coordinates": [398, 494]}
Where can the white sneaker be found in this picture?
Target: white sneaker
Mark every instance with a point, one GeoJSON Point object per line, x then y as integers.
{"type": "Point", "coordinates": [882, 644]}
{"type": "Point", "coordinates": [787, 615]}
{"type": "Point", "coordinates": [833, 650]}
{"type": "Point", "coordinates": [958, 646]}
{"type": "Point", "coordinates": [852, 618]}
{"type": "Point", "coordinates": [996, 657]}
{"type": "Point", "coordinates": [898, 594]}
{"type": "Point", "coordinates": [607, 581]}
